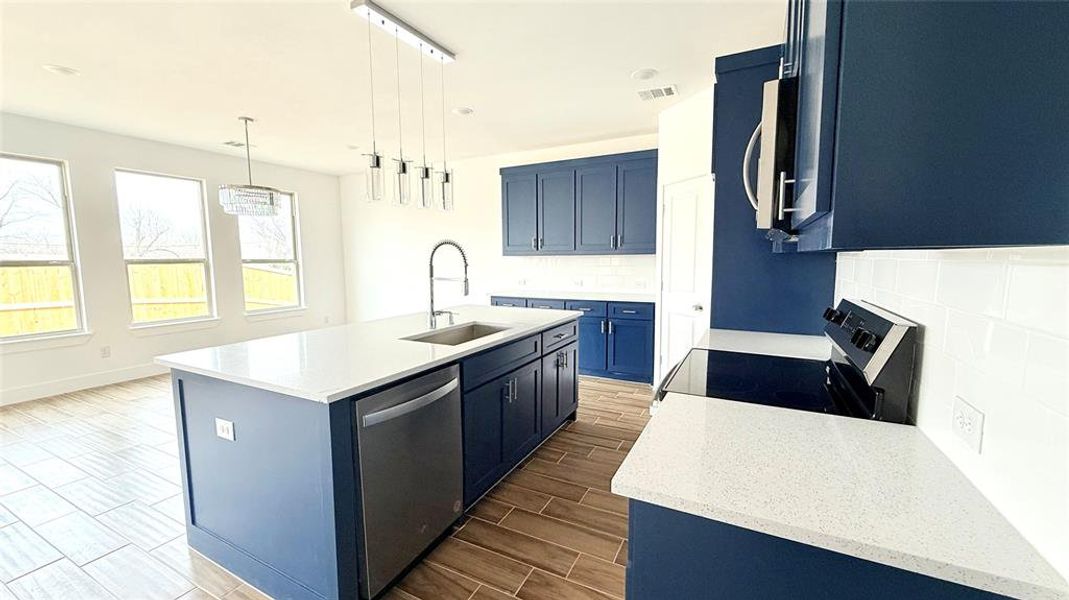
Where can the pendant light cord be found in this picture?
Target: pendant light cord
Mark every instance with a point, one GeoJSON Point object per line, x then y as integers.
{"type": "Point", "coordinates": [397, 69]}
{"type": "Point", "coordinates": [442, 64]}
{"type": "Point", "coordinates": [371, 81]}
{"type": "Point", "coordinates": [422, 107]}
{"type": "Point", "coordinates": [248, 150]}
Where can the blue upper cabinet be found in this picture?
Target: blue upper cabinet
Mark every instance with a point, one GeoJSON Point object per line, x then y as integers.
{"type": "Point", "coordinates": [556, 211]}
{"type": "Point", "coordinates": [931, 124]}
{"type": "Point", "coordinates": [519, 209]}
{"type": "Point", "coordinates": [636, 207]}
{"type": "Point", "coordinates": [596, 205]}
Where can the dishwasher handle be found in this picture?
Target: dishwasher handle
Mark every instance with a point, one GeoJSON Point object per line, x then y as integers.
{"type": "Point", "coordinates": [400, 410]}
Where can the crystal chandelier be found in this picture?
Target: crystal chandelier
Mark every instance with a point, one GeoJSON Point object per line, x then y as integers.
{"type": "Point", "coordinates": [249, 200]}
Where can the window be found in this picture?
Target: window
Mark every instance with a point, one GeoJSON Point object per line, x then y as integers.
{"type": "Point", "coordinates": [39, 290]}
{"type": "Point", "coordinates": [270, 260]}
{"type": "Point", "coordinates": [163, 242]}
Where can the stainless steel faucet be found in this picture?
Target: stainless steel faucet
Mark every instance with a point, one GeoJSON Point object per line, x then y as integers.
{"type": "Point", "coordinates": [434, 314]}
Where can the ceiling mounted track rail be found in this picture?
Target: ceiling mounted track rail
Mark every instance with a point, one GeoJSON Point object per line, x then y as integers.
{"type": "Point", "coordinates": [386, 21]}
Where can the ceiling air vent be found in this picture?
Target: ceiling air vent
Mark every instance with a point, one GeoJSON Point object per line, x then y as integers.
{"type": "Point", "coordinates": [236, 144]}
{"type": "Point", "coordinates": [658, 92]}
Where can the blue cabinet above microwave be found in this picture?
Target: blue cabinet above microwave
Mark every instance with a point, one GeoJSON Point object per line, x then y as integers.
{"type": "Point", "coordinates": [928, 124]}
{"type": "Point", "coordinates": [594, 205]}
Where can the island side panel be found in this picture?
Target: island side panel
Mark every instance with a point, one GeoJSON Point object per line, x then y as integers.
{"type": "Point", "coordinates": [262, 505]}
{"type": "Point", "coordinates": [672, 554]}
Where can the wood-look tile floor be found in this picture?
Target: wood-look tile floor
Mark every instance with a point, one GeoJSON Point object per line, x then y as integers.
{"type": "Point", "coordinates": [91, 507]}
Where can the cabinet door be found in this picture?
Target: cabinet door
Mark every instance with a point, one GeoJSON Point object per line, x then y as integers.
{"type": "Point", "coordinates": [592, 332]}
{"type": "Point", "coordinates": [520, 418]}
{"type": "Point", "coordinates": [818, 22]}
{"type": "Point", "coordinates": [636, 212]}
{"type": "Point", "coordinates": [595, 197]}
{"type": "Point", "coordinates": [560, 392]}
{"type": "Point", "coordinates": [556, 211]}
{"type": "Point", "coordinates": [519, 208]}
{"type": "Point", "coordinates": [483, 437]}
{"type": "Point", "coordinates": [568, 383]}
{"type": "Point", "coordinates": [631, 348]}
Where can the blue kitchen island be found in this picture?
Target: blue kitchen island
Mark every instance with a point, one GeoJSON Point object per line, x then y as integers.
{"type": "Point", "coordinates": [320, 464]}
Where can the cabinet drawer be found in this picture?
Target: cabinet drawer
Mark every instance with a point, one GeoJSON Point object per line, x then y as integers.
{"type": "Point", "coordinates": [560, 335]}
{"type": "Point", "coordinates": [590, 308]}
{"type": "Point", "coordinates": [507, 301]}
{"type": "Point", "coordinates": [545, 303]}
{"type": "Point", "coordinates": [483, 367]}
{"type": "Point", "coordinates": [642, 311]}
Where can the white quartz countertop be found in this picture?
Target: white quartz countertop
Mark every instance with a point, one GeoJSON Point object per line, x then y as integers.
{"type": "Point", "coordinates": [582, 295]}
{"type": "Point", "coordinates": [332, 363]}
{"type": "Point", "coordinates": [816, 347]}
{"type": "Point", "coordinates": [878, 491]}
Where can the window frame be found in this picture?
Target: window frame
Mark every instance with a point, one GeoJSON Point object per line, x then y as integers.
{"type": "Point", "coordinates": [206, 262]}
{"type": "Point", "coordinates": [297, 261]}
{"type": "Point", "coordinates": [72, 262]}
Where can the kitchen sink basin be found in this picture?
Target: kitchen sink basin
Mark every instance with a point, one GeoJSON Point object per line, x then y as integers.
{"type": "Point", "coordinates": [457, 334]}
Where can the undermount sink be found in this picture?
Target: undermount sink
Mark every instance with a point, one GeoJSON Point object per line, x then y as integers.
{"type": "Point", "coordinates": [456, 335]}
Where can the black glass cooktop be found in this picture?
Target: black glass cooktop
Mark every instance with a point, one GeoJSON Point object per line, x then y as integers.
{"type": "Point", "coordinates": [796, 383]}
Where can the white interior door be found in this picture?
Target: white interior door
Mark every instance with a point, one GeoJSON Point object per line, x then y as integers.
{"type": "Point", "coordinates": [686, 265]}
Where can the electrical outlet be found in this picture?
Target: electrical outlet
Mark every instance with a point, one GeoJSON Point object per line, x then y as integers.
{"type": "Point", "coordinates": [224, 429]}
{"type": "Point", "coordinates": [968, 423]}
{"type": "Point", "coordinates": [105, 352]}
{"type": "Point", "coordinates": [326, 320]}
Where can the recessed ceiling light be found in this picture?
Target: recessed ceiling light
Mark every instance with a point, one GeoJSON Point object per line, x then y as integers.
{"type": "Point", "coordinates": [352, 147]}
{"type": "Point", "coordinates": [644, 74]}
{"type": "Point", "coordinates": [61, 70]}
{"type": "Point", "coordinates": [463, 111]}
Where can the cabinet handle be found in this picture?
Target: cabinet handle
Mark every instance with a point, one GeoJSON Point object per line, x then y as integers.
{"type": "Point", "coordinates": [585, 308]}
{"type": "Point", "coordinates": [534, 242]}
{"type": "Point", "coordinates": [612, 242]}
{"type": "Point", "coordinates": [619, 240]}
{"type": "Point", "coordinates": [603, 326]}
{"type": "Point", "coordinates": [559, 336]}
{"type": "Point", "coordinates": [610, 327]}
{"type": "Point", "coordinates": [628, 311]}
{"type": "Point", "coordinates": [783, 181]}
{"type": "Point", "coordinates": [541, 243]}
{"type": "Point", "coordinates": [565, 355]}
{"type": "Point", "coordinates": [512, 390]}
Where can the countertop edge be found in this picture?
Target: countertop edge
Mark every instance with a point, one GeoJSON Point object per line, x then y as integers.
{"type": "Point", "coordinates": [333, 395]}
{"type": "Point", "coordinates": [902, 560]}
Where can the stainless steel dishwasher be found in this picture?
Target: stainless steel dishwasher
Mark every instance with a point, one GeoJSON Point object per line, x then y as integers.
{"type": "Point", "coordinates": [409, 443]}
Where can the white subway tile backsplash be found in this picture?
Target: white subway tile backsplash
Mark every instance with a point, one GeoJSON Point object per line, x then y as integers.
{"type": "Point", "coordinates": [996, 333]}
{"type": "Point", "coordinates": [971, 286]}
{"type": "Point", "coordinates": [1037, 297]}
{"type": "Point", "coordinates": [632, 273]}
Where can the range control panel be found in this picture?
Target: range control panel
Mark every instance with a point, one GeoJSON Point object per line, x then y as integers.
{"type": "Point", "coordinates": [859, 329]}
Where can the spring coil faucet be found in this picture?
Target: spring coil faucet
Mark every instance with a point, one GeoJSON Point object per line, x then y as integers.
{"type": "Point", "coordinates": [435, 313]}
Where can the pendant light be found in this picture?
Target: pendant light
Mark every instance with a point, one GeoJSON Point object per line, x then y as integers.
{"type": "Point", "coordinates": [401, 182]}
{"type": "Point", "coordinates": [422, 173]}
{"type": "Point", "coordinates": [373, 182]}
{"type": "Point", "coordinates": [443, 188]}
{"type": "Point", "coordinates": [249, 200]}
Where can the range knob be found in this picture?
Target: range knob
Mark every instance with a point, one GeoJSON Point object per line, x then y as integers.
{"type": "Point", "coordinates": [864, 340]}
{"type": "Point", "coordinates": [833, 315]}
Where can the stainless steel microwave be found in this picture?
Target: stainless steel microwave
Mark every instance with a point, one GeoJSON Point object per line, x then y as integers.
{"type": "Point", "coordinates": [775, 163]}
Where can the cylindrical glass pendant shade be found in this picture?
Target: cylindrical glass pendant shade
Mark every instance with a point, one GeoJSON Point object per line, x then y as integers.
{"type": "Point", "coordinates": [402, 184]}
{"type": "Point", "coordinates": [423, 184]}
{"type": "Point", "coordinates": [373, 182]}
{"type": "Point", "coordinates": [443, 190]}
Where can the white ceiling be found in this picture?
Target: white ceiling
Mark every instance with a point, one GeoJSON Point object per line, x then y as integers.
{"type": "Point", "coordinates": [537, 73]}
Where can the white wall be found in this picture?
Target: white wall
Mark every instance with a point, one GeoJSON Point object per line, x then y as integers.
{"type": "Point", "coordinates": [29, 370]}
{"type": "Point", "coordinates": [996, 333]}
{"type": "Point", "coordinates": [386, 247]}
{"type": "Point", "coordinates": [685, 139]}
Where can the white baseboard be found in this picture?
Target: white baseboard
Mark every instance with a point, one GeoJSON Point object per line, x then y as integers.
{"type": "Point", "coordinates": [80, 382]}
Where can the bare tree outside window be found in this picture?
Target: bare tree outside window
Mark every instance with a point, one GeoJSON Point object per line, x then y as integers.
{"type": "Point", "coordinates": [38, 291]}
{"type": "Point", "coordinates": [270, 259]}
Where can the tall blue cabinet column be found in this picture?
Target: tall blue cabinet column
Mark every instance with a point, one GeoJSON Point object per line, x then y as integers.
{"type": "Point", "coordinates": [754, 288]}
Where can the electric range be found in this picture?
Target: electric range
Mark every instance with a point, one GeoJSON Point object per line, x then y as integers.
{"type": "Point", "coordinates": [869, 374]}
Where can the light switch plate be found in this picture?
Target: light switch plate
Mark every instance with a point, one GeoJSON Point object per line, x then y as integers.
{"type": "Point", "coordinates": [968, 423]}
{"type": "Point", "coordinates": [224, 429]}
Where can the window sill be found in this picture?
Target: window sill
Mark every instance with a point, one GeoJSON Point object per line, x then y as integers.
{"type": "Point", "coordinates": [45, 342]}
{"type": "Point", "coordinates": [278, 313]}
{"type": "Point", "coordinates": [167, 327]}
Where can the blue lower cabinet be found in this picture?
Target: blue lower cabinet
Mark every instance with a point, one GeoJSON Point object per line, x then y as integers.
{"type": "Point", "coordinates": [630, 345]}
{"type": "Point", "coordinates": [592, 340]}
{"type": "Point", "coordinates": [521, 427]}
{"type": "Point", "coordinates": [560, 387]}
{"type": "Point", "coordinates": [677, 555]}
{"type": "Point", "coordinates": [483, 432]}
{"type": "Point", "coordinates": [508, 301]}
